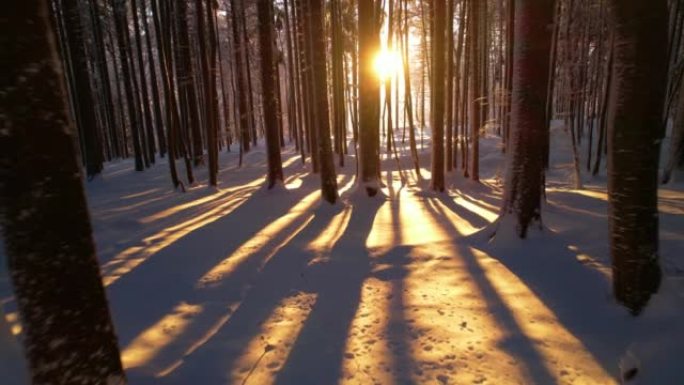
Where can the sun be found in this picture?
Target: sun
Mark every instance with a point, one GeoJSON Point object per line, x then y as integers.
{"type": "Point", "coordinates": [386, 64]}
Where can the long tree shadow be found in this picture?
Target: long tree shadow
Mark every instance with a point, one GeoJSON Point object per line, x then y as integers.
{"type": "Point", "coordinates": [277, 279]}
{"type": "Point", "coordinates": [153, 288]}
{"type": "Point", "coordinates": [318, 353]}
{"type": "Point", "coordinates": [392, 267]}
{"type": "Point", "coordinates": [126, 220]}
{"type": "Point", "coordinates": [442, 202]}
{"type": "Point", "coordinates": [517, 344]}
{"type": "Point", "coordinates": [550, 267]}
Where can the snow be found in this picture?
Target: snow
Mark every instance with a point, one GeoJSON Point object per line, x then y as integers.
{"type": "Point", "coordinates": [244, 285]}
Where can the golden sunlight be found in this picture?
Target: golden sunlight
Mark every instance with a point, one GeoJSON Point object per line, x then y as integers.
{"type": "Point", "coordinates": [386, 64]}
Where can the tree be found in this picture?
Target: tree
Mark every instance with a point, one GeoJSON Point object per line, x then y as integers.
{"type": "Point", "coordinates": [121, 26]}
{"type": "Point", "coordinates": [338, 82]}
{"type": "Point", "coordinates": [437, 93]}
{"type": "Point", "coordinates": [69, 335]}
{"type": "Point", "coordinates": [240, 81]}
{"type": "Point", "coordinates": [408, 103]}
{"type": "Point", "coordinates": [635, 131]}
{"type": "Point", "coordinates": [92, 152]}
{"type": "Point", "coordinates": [145, 100]}
{"type": "Point", "coordinates": [475, 37]}
{"type": "Point", "coordinates": [321, 111]}
{"type": "Point", "coordinates": [186, 81]}
{"type": "Point", "coordinates": [676, 160]}
{"type": "Point", "coordinates": [207, 62]}
{"type": "Point", "coordinates": [369, 99]}
{"type": "Point", "coordinates": [524, 178]}
{"type": "Point", "coordinates": [268, 89]}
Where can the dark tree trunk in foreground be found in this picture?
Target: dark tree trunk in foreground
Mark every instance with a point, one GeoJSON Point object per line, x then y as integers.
{"type": "Point", "coordinates": [369, 88]}
{"type": "Point", "coordinates": [69, 336]}
{"type": "Point", "coordinates": [268, 89]}
{"type": "Point", "coordinates": [438, 8]}
{"type": "Point", "coordinates": [320, 91]}
{"type": "Point", "coordinates": [634, 134]}
{"type": "Point", "coordinates": [524, 179]}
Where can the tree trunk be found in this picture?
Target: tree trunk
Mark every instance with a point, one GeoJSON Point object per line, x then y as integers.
{"type": "Point", "coordinates": [476, 97]}
{"type": "Point", "coordinates": [241, 84]}
{"type": "Point", "coordinates": [676, 158]}
{"type": "Point", "coordinates": [369, 94]}
{"type": "Point", "coordinates": [407, 94]}
{"type": "Point", "coordinates": [268, 88]}
{"type": "Point", "coordinates": [156, 100]}
{"type": "Point", "coordinates": [438, 8]}
{"type": "Point", "coordinates": [121, 26]}
{"type": "Point", "coordinates": [524, 179]}
{"type": "Point", "coordinates": [207, 61]}
{"type": "Point", "coordinates": [84, 98]}
{"type": "Point", "coordinates": [449, 116]}
{"type": "Point", "coordinates": [69, 336]}
{"type": "Point", "coordinates": [327, 162]}
{"type": "Point", "coordinates": [147, 116]}
{"type": "Point", "coordinates": [635, 131]}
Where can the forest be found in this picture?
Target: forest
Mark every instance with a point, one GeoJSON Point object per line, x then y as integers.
{"type": "Point", "coordinates": [323, 192]}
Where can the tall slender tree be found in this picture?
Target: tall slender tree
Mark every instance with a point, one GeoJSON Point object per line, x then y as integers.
{"type": "Point", "coordinates": [85, 108]}
{"type": "Point", "coordinates": [475, 37]}
{"type": "Point", "coordinates": [240, 81]}
{"type": "Point", "coordinates": [438, 8]}
{"type": "Point", "coordinates": [121, 26]}
{"type": "Point", "coordinates": [369, 99]}
{"type": "Point", "coordinates": [320, 92]}
{"type": "Point", "coordinates": [207, 62]}
{"type": "Point", "coordinates": [268, 89]}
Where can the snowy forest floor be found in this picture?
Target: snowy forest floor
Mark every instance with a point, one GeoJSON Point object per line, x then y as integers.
{"type": "Point", "coordinates": [241, 285]}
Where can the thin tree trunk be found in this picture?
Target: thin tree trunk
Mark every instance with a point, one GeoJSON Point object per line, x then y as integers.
{"type": "Point", "coordinates": [121, 25]}
{"type": "Point", "coordinates": [275, 167]}
{"type": "Point", "coordinates": [83, 93]}
{"type": "Point", "coordinates": [327, 162]}
{"type": "Point", "coordinates": [438, 8]}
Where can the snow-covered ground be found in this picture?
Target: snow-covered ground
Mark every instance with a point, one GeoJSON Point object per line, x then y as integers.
{"type": "Point", "coordinates": [240, 285]}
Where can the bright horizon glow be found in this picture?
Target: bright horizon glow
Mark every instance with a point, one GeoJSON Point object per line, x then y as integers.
{"type": "Point", "coordinates": [386, 63]}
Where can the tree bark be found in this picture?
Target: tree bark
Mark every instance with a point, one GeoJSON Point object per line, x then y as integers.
{"type": "Point", "coordinates": [240, 83]}
{"type": "Point", "coordinates": [438, 8]}
{"type": "Point", "coordinates": [524, 178]}
{"type": "Point", "coordinates": [635, 131]}
{"type": "Point", "coordinates": [369, 96]}
{"type": "Point", "coordinates": [320, 77]}
{"type": "Point", "coordinates": [84, 98]}
{"type": "Point", "coordinates": [121, 26]}
{"type": "Point", "coordinates": [69, 336]}
{"type": "Point", "coordinates": [268, 89]}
